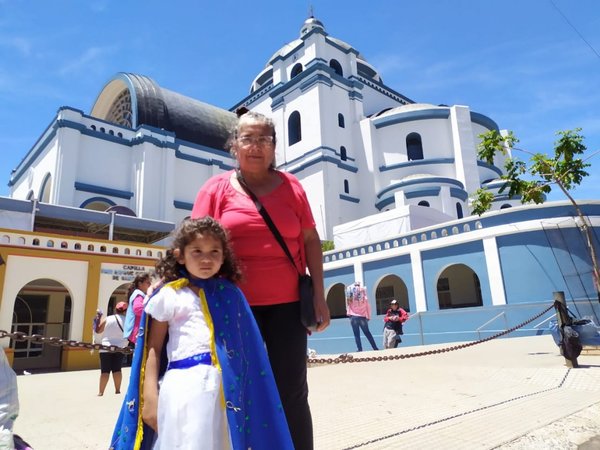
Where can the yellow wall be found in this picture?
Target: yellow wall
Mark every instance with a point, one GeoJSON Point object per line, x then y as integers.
{"type": "Point", "coordinates": [73, 358]}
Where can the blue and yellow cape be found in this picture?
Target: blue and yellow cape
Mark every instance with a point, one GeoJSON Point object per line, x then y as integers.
{"type": "Point", "coordinates": [254, 412]}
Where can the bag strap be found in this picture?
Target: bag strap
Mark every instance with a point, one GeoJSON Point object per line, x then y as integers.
{"type": "Point", "coordinates": [118, 323]}
{"type": "Point", "coordinates": [265, 215]}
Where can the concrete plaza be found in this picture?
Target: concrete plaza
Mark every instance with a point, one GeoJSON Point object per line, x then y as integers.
{"type": "Point", "coordinates": [511, 393]}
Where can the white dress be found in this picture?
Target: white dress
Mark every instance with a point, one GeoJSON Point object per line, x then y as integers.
{"type": "Point", "coordinates": [191, 414]}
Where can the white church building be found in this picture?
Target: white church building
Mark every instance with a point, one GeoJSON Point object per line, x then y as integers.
{"type": "Point", "coordinates": [388, 180]}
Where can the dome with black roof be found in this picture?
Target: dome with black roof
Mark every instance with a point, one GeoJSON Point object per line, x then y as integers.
{"type": "Point", "coordinates": [132, 100]}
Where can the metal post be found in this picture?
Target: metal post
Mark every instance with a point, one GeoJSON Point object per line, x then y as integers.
{"type": "Point", "coordinates": [562, 318]}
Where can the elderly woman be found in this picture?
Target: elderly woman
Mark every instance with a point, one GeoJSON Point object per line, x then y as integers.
{"type": "Point", "coordinates": [270, 280]}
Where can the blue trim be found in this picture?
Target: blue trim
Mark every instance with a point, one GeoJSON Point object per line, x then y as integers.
{"type": "Point", "coordinates": [418, 162]}
{"type": "Point", "coordinates": [460, 194]}
{"type": "Point", "coordinates": [310, 76]}
{"type": "Point", "coordinates": [97, 199]}
{"type": "Point", "coordinates": [424, 192]}
{"type": "Point", "coordinates": [103, 190]}
{"type": "Point", "coordinates": [490, 167]}
{"type": "Point", "coordinates": [290, 54]}
{"type": "Point", "coordinates": [385, 202]}
{"type": "Point", "coordinates": [440, 180]}
{"type": "Point", "coordinates": [484, 121]}
{"type": "Point", "coordinates": [322, 158]}
{"type": "Point", "coordinates": [409, 116]}
{"type": "Point", "coordinates": [203, 161]}
{"type": "Point", "coordinates": [339, 47]}
{"type": "Point", "coordinates": [353, 95]}
{"type": "Point", "coordinates": [39, 146]}
{"type": "Point", "coordinates": [349, 198]}
{"type": "Point", "coordinates": [183, 205]}
{"type": "Point", "coordinates": [253, 96]}
{"type": "Point", "coordinates": [382, 88]}
{"type": "Point", "coordinates": [12, 204]}
{"type": "Point", "coordinates": [319, 78]}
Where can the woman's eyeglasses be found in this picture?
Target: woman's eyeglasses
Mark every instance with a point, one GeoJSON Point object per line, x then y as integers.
{"type": "Point", "coordinates": [260, 141]}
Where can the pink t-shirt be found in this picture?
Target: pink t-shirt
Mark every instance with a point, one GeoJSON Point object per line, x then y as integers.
{"type": "Point", "coordinates": [138, 308]}
{"type": "Point", "coordinates": [269, 277]}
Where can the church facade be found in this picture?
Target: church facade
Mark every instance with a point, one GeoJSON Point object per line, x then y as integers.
{"type": "Point", "coordinates": [388, 180]}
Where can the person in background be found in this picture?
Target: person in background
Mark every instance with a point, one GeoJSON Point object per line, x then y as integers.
{"type": "Point", "coordinates": [112, 329]}
{"type": "Point", "coordinates": [270, 280]}
{"type": "Point", "coordinates": [135, 294]}
{"type": "Point", "coordinates": [392, 325]}
{"type": "Point", "coordinates": [359, 311]}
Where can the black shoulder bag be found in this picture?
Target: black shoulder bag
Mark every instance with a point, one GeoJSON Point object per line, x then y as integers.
{"type": "Point", "coordinates": [305, 285]}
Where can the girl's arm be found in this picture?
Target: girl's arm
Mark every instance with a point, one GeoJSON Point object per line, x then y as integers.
{"type": "Point", "coordinates": [156, 339]}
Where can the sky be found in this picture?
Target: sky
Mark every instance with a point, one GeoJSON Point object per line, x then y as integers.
{"type": "Point", "coordinates": [533, 66]}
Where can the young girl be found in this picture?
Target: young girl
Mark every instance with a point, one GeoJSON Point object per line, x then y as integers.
{"type": "Point", "coordinates": [218, 390]}
{"type": "Point", "coordinates": [136, 294]}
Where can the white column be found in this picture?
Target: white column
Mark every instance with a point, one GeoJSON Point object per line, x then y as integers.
{"type": "Point", "coordinates": [492, 260]}
{"type": "Point", "coordinates": [418, 281]}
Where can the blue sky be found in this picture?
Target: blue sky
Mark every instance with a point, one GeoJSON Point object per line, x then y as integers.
{"type": "Point", "coordinates": [521, 62]}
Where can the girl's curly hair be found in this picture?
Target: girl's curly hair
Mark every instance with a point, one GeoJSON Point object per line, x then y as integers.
{"type": "Point", "coordinates": [169, 269]}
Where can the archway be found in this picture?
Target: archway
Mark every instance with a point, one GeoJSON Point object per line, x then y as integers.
{"type": "Point", "coordinates": [118, 295]}
{"type": "Point", "coordinates": [458, 287]}
{"type": "Point", "coordinates": [336, 300]}
{"type": "Point", "coordinates": [43, 307]}
{"type": "Point", "coordinates": [391, 287]}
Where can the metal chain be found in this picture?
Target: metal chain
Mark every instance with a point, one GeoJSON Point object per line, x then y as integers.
{"type": "Point", "coordinates": [346, 358]}
{"type": "Point", "coordinates": [454, 416]}
{"type": "Point", "coordinates": [19, 336]}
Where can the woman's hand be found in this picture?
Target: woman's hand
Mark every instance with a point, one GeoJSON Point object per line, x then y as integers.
{"type": "Point", "coordinates": [322, 314]}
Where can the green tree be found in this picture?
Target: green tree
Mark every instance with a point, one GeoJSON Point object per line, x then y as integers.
{"type": "Point", "coordinates": [326, 245]}
{"type": "Point", "coordinates": [532, 181]}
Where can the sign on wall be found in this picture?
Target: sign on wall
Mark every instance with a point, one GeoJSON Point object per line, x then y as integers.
{"type": "Point", "coordinates": [123, 272]}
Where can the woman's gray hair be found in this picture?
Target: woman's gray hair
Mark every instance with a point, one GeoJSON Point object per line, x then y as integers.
{"type": "Point", "coordinates": [244, 119]}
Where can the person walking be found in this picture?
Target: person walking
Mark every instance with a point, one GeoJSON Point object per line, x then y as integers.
{"type": "Point", "coordinates": [359, 311]}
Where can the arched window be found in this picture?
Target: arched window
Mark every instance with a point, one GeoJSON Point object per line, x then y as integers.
{"type": "Point", "coordinates": [424, 203]}
{"type": "Point", "coordinates": [505, 206]}
{"type": "Point", "coordinates": [459, 211]}
{"type": "Point", "coordinates": [294, 128]}
{"type": "Point", "coordinates": [296, 70]}
{"type": "Point", "coordinates": [336, 66]}
{"type": "Point", "coordinates": [343, 155]}
{"type": "Point", "coordinates": [414, 147]}
{"type": "Point", "coordinates": [45, 189]}
{"type": "Point", "coordinates": [341, 121]}
{"type": "Point", "coordinates": [346, 187]}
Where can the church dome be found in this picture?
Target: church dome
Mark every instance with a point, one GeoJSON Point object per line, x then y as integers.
{"type": "Point", "coordinates": [132, 100]}
{"type": "Point", "coordinates": [310, 24]}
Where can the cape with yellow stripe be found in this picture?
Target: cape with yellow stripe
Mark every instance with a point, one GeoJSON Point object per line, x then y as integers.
{"type": "Point", "coordinates": [254, 412]}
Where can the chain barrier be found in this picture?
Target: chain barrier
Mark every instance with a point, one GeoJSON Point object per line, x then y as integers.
{"type": "Point", "coordinates": [462, 414]}
{"type": "Point", "coordinates": [346, 358]}
{"type": "Point", "coordinates": [19, 336]}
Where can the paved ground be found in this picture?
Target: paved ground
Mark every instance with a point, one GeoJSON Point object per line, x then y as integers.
{"type": "Point", "coordinates": [509, 394]}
